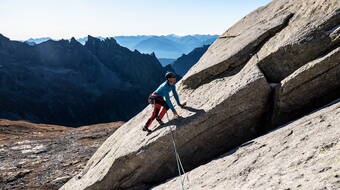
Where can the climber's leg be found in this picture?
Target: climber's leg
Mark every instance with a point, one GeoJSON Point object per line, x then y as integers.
{"type": "Point", "coordinates": [163, 112]}
{"type": "Point", "coordinates": [155, 112]}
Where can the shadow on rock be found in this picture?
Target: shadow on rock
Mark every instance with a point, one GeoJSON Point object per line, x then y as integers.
{"type": "Point", "coordinates": [182, 121]}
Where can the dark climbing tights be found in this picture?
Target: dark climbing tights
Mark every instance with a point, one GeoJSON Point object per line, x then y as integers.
{"type": "Point", "coordinates": [159, 103]}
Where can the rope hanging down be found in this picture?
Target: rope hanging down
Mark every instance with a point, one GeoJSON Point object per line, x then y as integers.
{"type": "Point", "coordinates": [180, 168]}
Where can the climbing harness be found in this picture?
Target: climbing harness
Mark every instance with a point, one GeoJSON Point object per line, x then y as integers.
{"type": "Point", "coordinates": [152, 99]}
{"type": "Point", "coordinates": [180, 168]}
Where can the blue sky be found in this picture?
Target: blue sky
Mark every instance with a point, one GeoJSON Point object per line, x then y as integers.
{"type": "Point", "coordinates": [22, 19]}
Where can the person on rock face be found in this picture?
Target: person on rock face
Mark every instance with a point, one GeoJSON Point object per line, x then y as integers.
{"type": "Point", "coordinates": [157, 100]}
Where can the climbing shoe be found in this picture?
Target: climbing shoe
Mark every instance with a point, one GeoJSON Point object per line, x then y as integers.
{"type": "Point", "coordinates": [146, 129]}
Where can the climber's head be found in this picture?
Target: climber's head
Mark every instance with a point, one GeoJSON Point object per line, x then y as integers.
{"type": "Point", "coordinates": [170, 77]}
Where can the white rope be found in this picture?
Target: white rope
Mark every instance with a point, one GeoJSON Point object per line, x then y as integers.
{"type": "Point", "coordinates": [180, 168]}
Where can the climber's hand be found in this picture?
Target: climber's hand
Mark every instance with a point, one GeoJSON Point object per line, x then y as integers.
{"type": "Point", "coordinates": [176, 115]}
{"type": "Point", "coordinates": [183, 105]}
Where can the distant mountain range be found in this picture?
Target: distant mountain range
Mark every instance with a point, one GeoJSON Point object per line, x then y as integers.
{"type": "Point", "coordinates": [166, 46]}
{"type": "Point", "coordinates": [166, 61]}
{"type": "Point", "coordinates": [33, 41]}
{"type": "Point", "coordinates": [67, 83]}
{"type": "Point", "coordinates": [185, 62]}
{"type": "Point", "coordinates": [182, 65]}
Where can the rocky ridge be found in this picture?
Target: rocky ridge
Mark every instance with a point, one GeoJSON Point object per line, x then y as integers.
{"type": "Point", "coordinates": [67, 83]}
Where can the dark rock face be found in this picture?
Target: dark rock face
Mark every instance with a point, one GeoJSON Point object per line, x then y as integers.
{"type": "Point", "coordinates": [64, 82]}
{"type": "Point", "coordinates": [43, 157]}
{"type": "Point", "coordinates": [185, 62]}
{"type": "Point", "coordinates": [136, 68]}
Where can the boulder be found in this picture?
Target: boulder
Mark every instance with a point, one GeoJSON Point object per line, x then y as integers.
{"type": "Point", "coordinates": [284, 35]}
{"type": "Point", "coordinates": [309, 34]}
{"type": "Point", "coordinates": [220, 115]}
{"type": "Point", "coordinates": [301, 155]}
{"type": "Point", "coordinates": [309, 87]}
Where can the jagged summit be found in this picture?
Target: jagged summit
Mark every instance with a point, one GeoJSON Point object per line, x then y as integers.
{"type": "Point", "coordinates": [73, 84]}
{"type": "Point", "coordinates": [92, 40]}
{"type": "Point", "coordinates": [73, 41]}
{"type": "Point", "coordinates": [2, 37]}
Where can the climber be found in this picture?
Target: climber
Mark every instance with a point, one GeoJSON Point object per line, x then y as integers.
{"type": "Point", "coordinates": [156, 99]}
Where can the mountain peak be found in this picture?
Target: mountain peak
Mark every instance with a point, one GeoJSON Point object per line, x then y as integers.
{"type": "Point", "coordinates": [73, 41]}
{"type": "Point", "coordinates": [110, 40]}
{"type": "Point", "coordinates": [2, 37]}
{"type": "Point", "coordinates": [91, 40]}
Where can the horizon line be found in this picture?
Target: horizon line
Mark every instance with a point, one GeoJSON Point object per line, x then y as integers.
{"type": "Point", "coordinates": [96, 36]}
